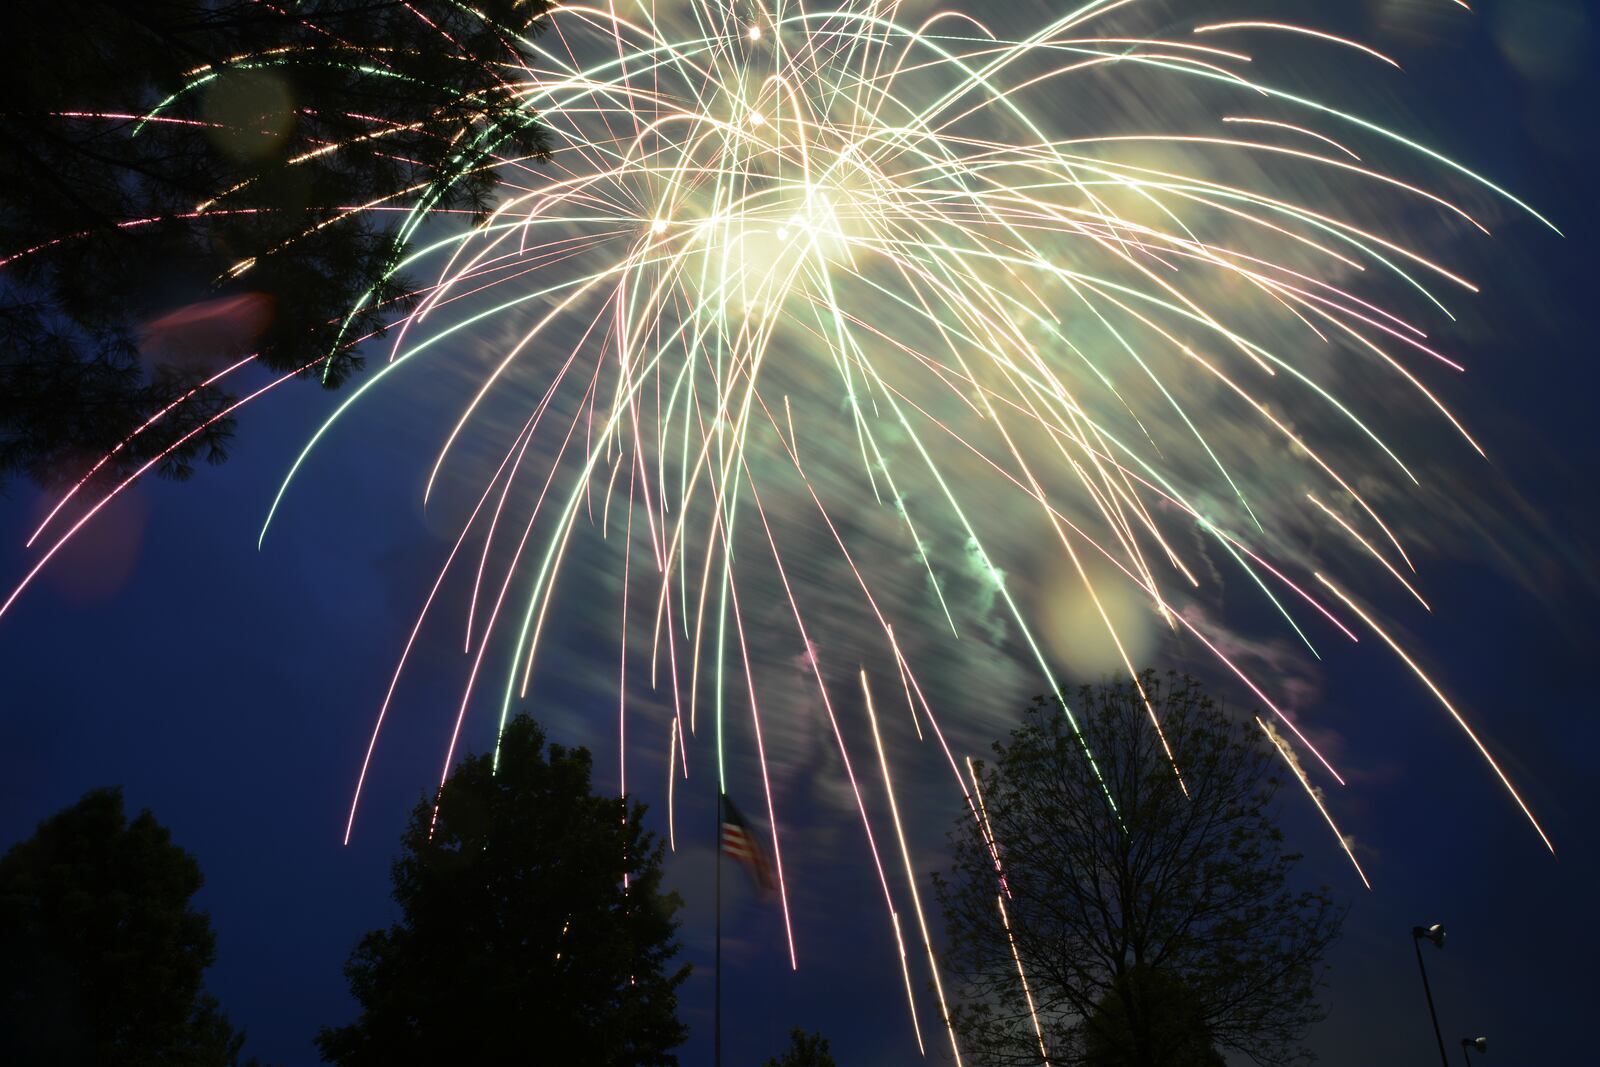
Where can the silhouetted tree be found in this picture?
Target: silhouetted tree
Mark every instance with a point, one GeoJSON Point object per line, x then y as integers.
{"type": "Point", "coordinates": [1149, 1016]}
{"type": "Point", "coordinates": [805, 1050]}
{"type": "Point", "coordinates": [101, 952]}
{"type": "Point", "coordinates": [533, 927]}
{"type": "Point", "coordinates": [137, 256]}
{"type": "Point", "coordinates": [1156, 933]}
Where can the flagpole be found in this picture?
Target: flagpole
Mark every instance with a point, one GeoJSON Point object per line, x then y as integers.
{"type": "Point", "coordinates": [717, 1055]}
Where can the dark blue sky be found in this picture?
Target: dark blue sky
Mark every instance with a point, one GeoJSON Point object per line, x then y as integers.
{"type": "Point", "coordinates": [231, 690]}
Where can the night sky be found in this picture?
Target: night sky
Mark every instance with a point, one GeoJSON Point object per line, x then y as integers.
{"type": "Point", "coordinates": [231, 690]}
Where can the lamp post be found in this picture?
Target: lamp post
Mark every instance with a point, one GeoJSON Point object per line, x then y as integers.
{"type": "Point", "coordinates": [1479, 1043]}
{"type": "Point", "coordinates": [1434, 933]}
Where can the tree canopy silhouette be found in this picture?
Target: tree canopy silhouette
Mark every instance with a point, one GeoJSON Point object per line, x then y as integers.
{"type": "Point", "coordinates": [805, 1050]}
{"type": "Point", "coordinates": [1161, 932]}
{"type": "Point", "coordinates": [533, 926]}
{"type": "Point", "coordinates": [1150, 1015]}
{"type": "Point", "coordinates": [177, 179]}
{"type": "Point", "coordinates": [103, 952]}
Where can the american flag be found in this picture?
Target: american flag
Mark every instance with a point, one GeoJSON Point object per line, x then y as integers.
{"type": "Point", "coordinates": [740, 842]}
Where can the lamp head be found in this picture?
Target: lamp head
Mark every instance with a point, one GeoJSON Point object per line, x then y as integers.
{"type": "Point", "coordinates": [1434, 933]}
{"type": "Point", "coordinates": [1479, 1043]}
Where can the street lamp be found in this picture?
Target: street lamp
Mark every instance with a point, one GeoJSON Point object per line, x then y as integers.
{"type": "Point", "coordinates": [1434, 933]}
{"type": "Point", "coordinates": [1479, 1043]}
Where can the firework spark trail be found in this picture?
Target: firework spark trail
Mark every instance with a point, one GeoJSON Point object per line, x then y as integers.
{"type": "Point", "coordinates": [970, 296]}
{"type": "Point", "coordinates": [116, 490]}
{"type": "Point", "coordinates": [844, 755]}
{"type": "Point", "coordinates": [1027, 994]}
{"type": "Point", "coordinates": [987, 832]}
{"type": "Point", "coordinates": [911, 876]}
{"type": "Point", "coordinates": [138, 431]}
{"type": "Point", "coordinates": [1438, 695]}
{"type": "Point", "coordinates": [1285, 751]}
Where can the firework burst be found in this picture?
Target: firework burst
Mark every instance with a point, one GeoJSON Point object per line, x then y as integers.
{"type": "Point", "coordinates": [787, 265]}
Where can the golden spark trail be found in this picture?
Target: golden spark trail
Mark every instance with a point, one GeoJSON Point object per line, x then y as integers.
{"type": "Point", "coordinates": [911, 877]}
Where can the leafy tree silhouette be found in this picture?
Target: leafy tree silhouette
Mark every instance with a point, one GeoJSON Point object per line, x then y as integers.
{"type": "Point", "coordinates": [103, 951]}
{"type": "Point", "coordinates": [137, 258]}
{"type": "Point", "coordinates": [1161, 932]}
{"type": "Point", "coordinates": [533, 927]}
{"type": "Point", "coordinates": [805, 1050]}
{"type": "Point", "coordinates": [1149, 1017]}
